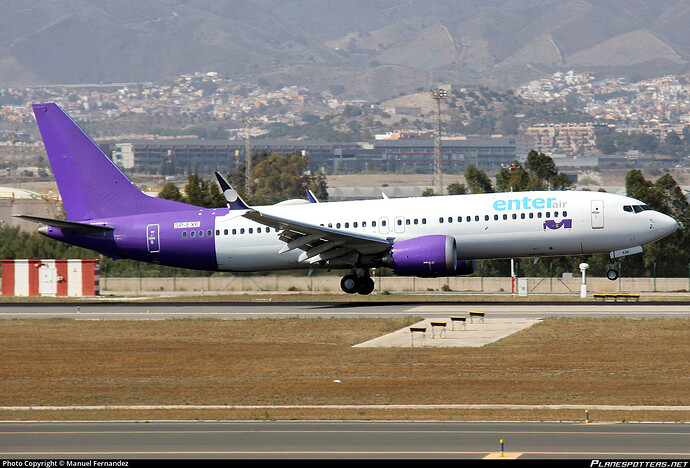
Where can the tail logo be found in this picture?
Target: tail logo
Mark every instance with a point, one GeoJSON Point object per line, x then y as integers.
{"type": "Point", "coordinates": [552, 224]}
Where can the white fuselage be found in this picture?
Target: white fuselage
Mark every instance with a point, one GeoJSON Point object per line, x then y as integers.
{"type": "Point", "coordinates": [485, 226]}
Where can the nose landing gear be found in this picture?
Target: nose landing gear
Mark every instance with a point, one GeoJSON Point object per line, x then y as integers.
{"type": "Point", "coordinates": [352, 283]}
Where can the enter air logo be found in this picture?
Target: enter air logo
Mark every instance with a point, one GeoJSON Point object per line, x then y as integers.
{"type": "Point", "coordinates": [552, 224]}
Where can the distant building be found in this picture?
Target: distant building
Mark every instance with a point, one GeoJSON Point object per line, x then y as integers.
{"type": "Point", "coordinates": [169, 157]}
{"type": "Point", "coordinates": [566, 137]}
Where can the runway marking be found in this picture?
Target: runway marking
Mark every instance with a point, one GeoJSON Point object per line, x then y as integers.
{"type": "Point", "coordinates": [505, 456]}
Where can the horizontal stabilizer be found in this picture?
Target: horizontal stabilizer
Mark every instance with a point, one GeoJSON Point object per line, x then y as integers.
{"type": "Point", "coordinates": [78, 227]}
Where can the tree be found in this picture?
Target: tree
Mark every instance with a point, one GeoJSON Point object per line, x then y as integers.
{"type": "Point", "coordinates": [170, 191]}
{"type": "Point", "coordinates": [204, 193]}
{"type": "Point", "coordinates": [457, 189]}
{"type": "Point", "coordinates": [276, 178]}
{"type": "Point", "coordinates": [477, 180]}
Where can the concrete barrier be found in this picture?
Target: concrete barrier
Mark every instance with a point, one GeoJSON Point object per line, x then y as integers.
{"type": "Point", "coordinates": [331, 284]}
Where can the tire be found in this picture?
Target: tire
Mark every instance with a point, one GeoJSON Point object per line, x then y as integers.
{"type": "Point", "coordinates": [365, 285]}
{"type": "Point", "coordinates": [612, 274]}
{"type": "Point", "coordinates": [349, 284]}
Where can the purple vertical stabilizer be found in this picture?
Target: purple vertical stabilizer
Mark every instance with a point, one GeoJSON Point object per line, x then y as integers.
{"type": "Point", "coordinates": [90, 184]}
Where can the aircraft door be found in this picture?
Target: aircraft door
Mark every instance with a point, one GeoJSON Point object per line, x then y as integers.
{"type": "Point", "coordinates": [383, 225]}
{"type": "Point", "coordinates": [597, 214]}
{"type": "Point", "coordinates": [152, 238]}
{"type": "Point", "coordinates": [399, 224]}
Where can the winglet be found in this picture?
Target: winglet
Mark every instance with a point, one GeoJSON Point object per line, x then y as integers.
{"type": "Point", "coordinates": [231, 195]}
{"type": "Point", "coordinates": [311, 197]}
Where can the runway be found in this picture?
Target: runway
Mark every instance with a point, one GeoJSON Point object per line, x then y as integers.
{"type": "Point", "coordinates": [323, 440]}
{"type": "Point", "coordinates": [337, 440]}
{"type": "Point", "coordinates": [274, 309]}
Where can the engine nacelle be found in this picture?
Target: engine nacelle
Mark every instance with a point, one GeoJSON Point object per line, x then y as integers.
{"type": "Point", "coordinates": [465, 267]}
{"type": "Point", "coordinates": [434, 255]}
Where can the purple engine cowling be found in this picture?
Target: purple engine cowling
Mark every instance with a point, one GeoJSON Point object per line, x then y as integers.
{"type": "Point", "coordinates": [434, 255]}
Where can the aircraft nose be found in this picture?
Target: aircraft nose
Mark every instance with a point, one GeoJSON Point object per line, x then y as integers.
{"type": "Point", "coordinates": [665, 225]}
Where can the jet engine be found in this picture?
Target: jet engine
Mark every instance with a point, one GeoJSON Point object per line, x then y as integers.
{"type": "Point", "coordinates": [434, 255]}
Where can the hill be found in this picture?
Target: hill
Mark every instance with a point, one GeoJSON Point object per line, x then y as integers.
{"type": "Point", "coordinates": [372, 50]}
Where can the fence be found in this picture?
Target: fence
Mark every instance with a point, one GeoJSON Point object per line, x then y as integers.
{"type": "Point", "coordinates": [393, 284]}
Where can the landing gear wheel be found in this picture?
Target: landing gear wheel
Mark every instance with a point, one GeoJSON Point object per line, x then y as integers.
{"type": "Point", "coordinates": [365, 285]}
{"type": "Point", "coordinates": [612, 274]}
{"type": "Point", "coordinates": [349, 284]}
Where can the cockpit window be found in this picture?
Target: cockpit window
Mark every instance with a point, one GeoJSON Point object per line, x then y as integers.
{"type": "Point", "coordinates": [636, 208]}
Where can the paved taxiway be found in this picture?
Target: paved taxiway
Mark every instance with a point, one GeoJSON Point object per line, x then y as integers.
{"type": "Point", "coordinates": [239, 310]}
{"type": "Point", "coordinates": [424, 440]}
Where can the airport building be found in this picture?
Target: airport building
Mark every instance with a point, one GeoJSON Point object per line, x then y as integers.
{"type": "Point", "coordinates": [169, 157]}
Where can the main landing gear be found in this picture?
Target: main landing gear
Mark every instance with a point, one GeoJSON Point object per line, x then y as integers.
{"type": "Point", "coordinates": [352, 283]}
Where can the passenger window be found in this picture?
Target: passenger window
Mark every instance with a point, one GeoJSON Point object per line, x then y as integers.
{"type": "Point", "coordinates": [476, 218]}
{"type": "Point", "coordinates": [522, 215]}
{"type": "Point", "coordinates": [416, 221]}
{"type": "Point", "coordinates": [383, 223]}
{"type": "Point", "coordinates": [505, 216]}
{"type": "Point", "coordinates": [184, 233]}
{"type": "Point", "coordinates": [234, 231]}
{"type": "Point", "coordinates": [258, 230]}
{"type": "Point", "coordinates": [218, 232]}
{"type": "Point", "coordinates": [407, 221]}
{"type": "Point", "coordinates": [209, 233]}
{"type": "Point", "coordinates": [531, 215]}
{"type": "Point", "coordinates": [565, 213]}
{"type": "Point", "coordinates": [450, 219]}
{"type": "Point", "coordinates": [459, 219]}
{"type": "Point", "coordinates": [373, 224]}
{"type": "Point", "coordinates": [514, 215]}
{"type": "Point", "coordinates": [400, 222]}
{"type": "Point", "coordinates": [423, 220]}
{"type": "Point", "coordinates": [251, 230]}
{"type": "Point", "coordinates": [347, 225]}
{"type": "Point", "coordinates": [548, 215]}
{"type": "Point", "coordinates": [192, 234]}
{"type": "Point", "coordinates": [201, 233]}
{"type": "Point", "coordinates": [440, 220]}
{"type": "Point", "coordinates": [495, 217]}
{"type": "Point", "coordinates": [354, 225]}
{"type": "Point", "coordinates": [337, 225]}
{"type": "Point", "coordinates": [469, 218]}
{"type": "Point", "coordinates": [268, 230]}
{"type": "Point", "coordinates": [486, 217]}
{"type": "Point", "coordinates": [241, 230]}
{"type": "Point", "coordinates": [225, 232]}
{"type": "Point", "coordinates": [364, 224]}
{"type": "Point", "coordinates": [539, 215]}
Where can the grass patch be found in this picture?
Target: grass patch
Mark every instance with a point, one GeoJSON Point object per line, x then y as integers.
{"type": "Point", "coordinates": [613, 361]}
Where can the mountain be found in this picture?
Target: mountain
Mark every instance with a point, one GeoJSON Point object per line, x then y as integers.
{"type": "Point", "coordinates": [362, 49]}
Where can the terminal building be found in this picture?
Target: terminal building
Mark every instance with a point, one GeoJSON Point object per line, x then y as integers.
{"type": "Point", "coordinates": [170, 157]}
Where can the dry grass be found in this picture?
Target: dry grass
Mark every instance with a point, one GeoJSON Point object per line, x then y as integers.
{"type": "Point", "coordinates": [613, 361]}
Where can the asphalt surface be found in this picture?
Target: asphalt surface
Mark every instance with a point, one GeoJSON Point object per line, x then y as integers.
{"type": "Point", "coordinates": [423, 440]}
{"type": "Point", "coordinates": [239, 310]}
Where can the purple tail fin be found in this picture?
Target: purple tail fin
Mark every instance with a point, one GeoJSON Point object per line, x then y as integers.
{"type": "Point", "coordinates": [90, 184]}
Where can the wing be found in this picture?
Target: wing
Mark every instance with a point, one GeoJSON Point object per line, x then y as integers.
{"type": "Point", "coordinates": [321, 244]}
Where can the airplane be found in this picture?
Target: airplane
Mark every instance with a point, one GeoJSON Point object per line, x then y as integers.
{"type": "Point", "coordinates": [417, 236]}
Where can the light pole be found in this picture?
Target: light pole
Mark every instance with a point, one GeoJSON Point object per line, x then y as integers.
{"type": "Point", "coordinates": [438, 94]}
{"type": "Point", "coordinates": [248, 121]}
